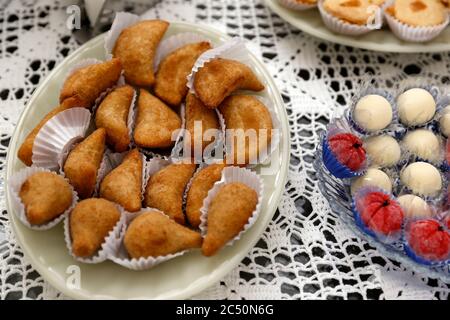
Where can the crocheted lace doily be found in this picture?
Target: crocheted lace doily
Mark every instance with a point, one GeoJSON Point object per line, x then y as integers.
{"type": "Point", "coordinates": [306, 251]}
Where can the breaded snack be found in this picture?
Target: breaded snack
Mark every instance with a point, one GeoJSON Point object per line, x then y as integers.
{"type": "Point", "coordinates": [90, 222]}
{"type": "Point", "coordinates": [171, 78]}
{"type": "Point", "coordinates": [247, 113]}
{"type": "Point", "coordinates": [202, 182]}
{"type": "Point", "coordinates": [153, 234]}
{"type": "Point", "coordinates": [136, 48]}
{"type": "Point", "coordinates": [228, 213]}
{"type": "Point", "coordinates": [165, 190]}
{"type": "Point", "coordinates": [155, 122]}
{"type": "Point", "coordinates": [123, 184]}
{"type": "Point", "coordinates": [219, 77]}
{"type": "Point", "coordinates": [418, 13]}
{"type": "Point", "coordinates": [196, 112]}
{"type": "Point", "coordinates": [83, 161]}
{"type": "Point", "coordinates": [25, 153]}
{"type": "Point", "coordinates": [112, 114]}
{"type": "Point", "coordinates": [45, 196]}
{"type": "Point", "coordinates": [89, 82]}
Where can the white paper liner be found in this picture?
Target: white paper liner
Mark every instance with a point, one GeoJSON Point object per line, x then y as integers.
{"type": "Point", "coordinates": [230, 175]}
{"type": "Point", "coordinates": [131, 119]}
{"type": "Point", "coordinates": [339, 26]}
{"type": "Point", "coordinates": [53, 142]}
{"type": "Point", "coordinates": [102, 171]}
{"type": "Point", "coordinates": [234, 49]}
{"type": "Point", "coordinates": [15, 183]}
{"type": "Point", "coordinates": [414, 33]}
{"type": "Point", "coordinates": [173, 43]}
{"type": "Point", "coordinates": [121, 256]}
{"type": "Point", "coordinates": [177, 149]}
{"type": "Point", "coordinates": [121, 21]}
{"type": "Point", "coordinates": [297, 6]}
{"type": "Point", "coordinates": [109, 246]}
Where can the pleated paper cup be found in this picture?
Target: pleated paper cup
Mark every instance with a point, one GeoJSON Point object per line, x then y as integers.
{"type": "Point", "coordinates": [56, 138]}
{"type": "Point", "coordinates": [121, 256]}
{"type": "Point", "coordinates": [121, 21]}
{"type": "Point", "coordinates": [109, 246]}
{"type": "Point", "coordinates": [15, 184]}
{"type": "Point", "coordinates": [297, 5]}
{"type": "Point", "coordinates": [231, 175]}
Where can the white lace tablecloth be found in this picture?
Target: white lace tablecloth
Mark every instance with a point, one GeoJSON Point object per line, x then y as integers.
{"type": "Point", "coordinates": [306, 251]}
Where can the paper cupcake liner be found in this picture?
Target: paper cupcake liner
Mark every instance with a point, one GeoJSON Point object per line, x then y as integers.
{"type": "Point", "coordinates": [295, 5]}
{"type": "Point", "coordinates": [339, 26]}
{"type": "Point", "coordinates": [177, 150]}
{"type": "Point", "coordinates": [230, 175]}
{"type": "Point", "coordinates": [109, 246]}
{"type": "Point", "coordinates": [234, 49]}
{"type": "Point", "coordinates": [390, 238]}
{"type": "Point", "coordinates": [53, 142]}
{"type": "Point", "coordinates": [131, 119]}
{"type": "Point", "coordinates": [15, 183]}
{"type": "Point", "coordinates": [413, 33]}
{"type": "Point", "coordinates": [121, 257]}
{"type": "Point", "coordinates": [173, 43]}
{"type": "Point", "coordinates": [102, 171]}
{"type": "Point", "coordinates": [121, 21]}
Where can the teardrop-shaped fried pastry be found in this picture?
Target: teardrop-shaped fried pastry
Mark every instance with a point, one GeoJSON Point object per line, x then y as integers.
{"type": "Point", "coordinates": [124, 183]}
{"type": "Point", "coordinates": [25, 152]}
{"type": "Point", "coordinates": [155, 122]}
{"type": "Point", "coordinates": [166, 187]}
{"type": "Point", "coordinates": [153, 234]}
{"type": "Point", "coordinates": [202, 182]}
{"type": "Point", "coordinates": [199, 119]}
{"type": "Point", "coordinates": [83, 161]}
{"type": "Point", "coordinates": [90, 223]}
{"type": "Point", "coordinates": [250, 115]}
{"type": "Point", "coordinates": [89, 82]}
{"type": "Point", "coordinates": [45, 196]}
{"type": "Point", "coordinates": [136, 47]}
{"type": "Point", "coordinates": [112, 114]}
{"type": "Point", "coordinates": [171, 78]}
{"type": "Point", "coordinates": [228, 213]}
{"type": "Point", "coordinates": [219, 77]}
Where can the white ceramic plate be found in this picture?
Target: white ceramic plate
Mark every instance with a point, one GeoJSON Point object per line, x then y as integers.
{"type": "Point", "coordinates": [176, 279]}
{"type": "Point", "coordinates": [310, 22]}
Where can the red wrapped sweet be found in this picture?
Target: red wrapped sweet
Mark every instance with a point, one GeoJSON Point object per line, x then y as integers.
{"type": "Point", "coordinates": [348, 150]}
{"type": "Point", "coordinates": [429, 239]}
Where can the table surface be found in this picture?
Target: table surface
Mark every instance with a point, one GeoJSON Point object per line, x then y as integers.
{"type": "Point", "coordinates": [306, 251]}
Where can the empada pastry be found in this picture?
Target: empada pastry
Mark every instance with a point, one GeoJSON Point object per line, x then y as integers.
{"type": "Point", "coordinates": [219, 77]}
{"type": "Point", "coordinates": [153, 234]}
{"type": "Point", "coordinates": [112, 114]}
{"type": "Point", "coordinates": [124, 183]}
{"type": "Point", "coordinates": [171, 78]}
{"type": "Point", "coordinates": [418, 13]}
{"type": "Point", "coordinates": [155, 122]}
{"type": "Point", "coordinates": [83, 161]}
{"type": "Point", "coordinates": [198, 114]}
{"type": "Point", "coordinates": [45, 196]}
{"type": "Point", "coordinates": [247, 113]}
{"type": "Point", "coordinates": [136, 47]}
{"type": "Point", "coordinates": [90, 223]}
{"type": "Point", "coordinates": [228, 213]}
{"type": "Point", "coordinates": [89, 82]}
{"type": "Point", "coordinates": [202, 182]}
{"type": "Point", "coordinates": [25, 152]}
{"type": "Point", "coordinates": [165, 190]}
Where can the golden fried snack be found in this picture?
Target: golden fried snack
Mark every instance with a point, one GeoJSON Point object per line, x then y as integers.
{"type": "Point", "coordinates": [153, 234]}
{"type": "Point", "coordinates": [201, 184]}
{"type": "Point", "coordinates": [220, 77]}
{"type": "Point", "coordinates": [247, 113]}
{"type": "Point", "coordinates": [45, 196]}
{"type": "Point", "coordinates": [196, 112]}
{"type": "Point", "coordinates": [155, 122]}
{"type": "Point", "coordinates": [123, 184]}
{"type": "Point", "coordinates": [89, 82]}
{"type": "Point", "coordinates": [171, 78]}
{"type": "Point", "coordinates": [136, 47]}
{"type": "Point", "coordinates": [83, 161]}
{"type": "Point", "coordinates": [25, 152]}
{"type": "Point", "coordinates": [165, 190]}
{"type": "Point", "coordinates": [90, 222]}
{"type": "Point", "coordinates": [228, 213]}
{"type": "Point", "coordinates": [112, 114]}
